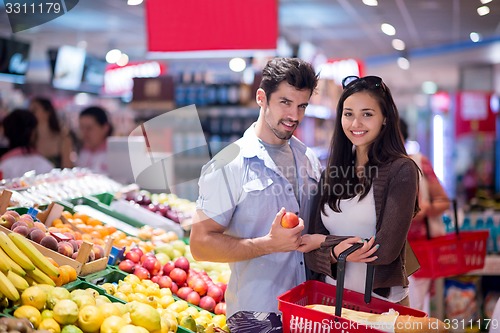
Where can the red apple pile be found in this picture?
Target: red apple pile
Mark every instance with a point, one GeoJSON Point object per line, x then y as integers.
{"type": "Point", "coordinates": [63, 242]}
{"type": "Point", "coordinates": [196, 287]}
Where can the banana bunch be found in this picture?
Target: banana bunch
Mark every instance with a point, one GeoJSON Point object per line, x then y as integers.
{"type": "Point", "coordinates": [21, 265]}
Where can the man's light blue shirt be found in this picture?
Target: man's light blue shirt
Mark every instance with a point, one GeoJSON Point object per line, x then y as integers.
{"type": "Point", "coordinates": [242, 189]}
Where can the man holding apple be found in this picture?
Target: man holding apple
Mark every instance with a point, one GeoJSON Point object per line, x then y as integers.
{"type": "Point", "coordinates": [245, 191]}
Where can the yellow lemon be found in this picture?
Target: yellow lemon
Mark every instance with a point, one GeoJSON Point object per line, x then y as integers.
{"type": "Point", "coordinates": [132, 279]}
{"type": "Point", "coordinates": [168, 324]}
{"type": "Point", "coordinates": [66, 312]}
{"type": "Point", "coordinates": [188, 322]}
{"type": "Point", "coordinates": [101, 299]}
{"type": "Point", "coordinates": [110, 309]}
{"type": "Point", "coordinates": [55, 295]}
{"type": "Point", "coordinates": [109, 287]}
{"type": "Point", "coordinates": [166, 300]}
{"type": "Point", "coordinates": [132, 329]}
{"type": "Point", "coordinates": [83, 300]}
{"type": "Point", "coordinates": [145, 316]}
{"type": "Point", "coordinates": [47, 314]}
{"type": "Point", "coordinates": [34, 296]}
{"type": "Point", "coordinates": [46, 287]}
{"type": "Point", "coordinates": [122, 307]}
{"type": "Point", "coordinates": [50, 325]}
{"type": "Point", "coordinates": [71, 329]}
{"type": "Point", "coordinates": [165, 292]}
{"type": "Point", "coordinates": [90, 318]}
{"type": "Point", "coordinates": [219, 320]}
{"type": "Point", "coordinates": [92, 292]}
{"type": "Point", "coordinates": [29, 312]}
{"type": "Point", "coordinates": [112, 324]}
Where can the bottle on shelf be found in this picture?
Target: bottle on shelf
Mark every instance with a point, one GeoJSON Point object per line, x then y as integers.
{"type": "Point", "coordinates": [492, 239]}
{"type": "Point", "coordinates": [466, 226]}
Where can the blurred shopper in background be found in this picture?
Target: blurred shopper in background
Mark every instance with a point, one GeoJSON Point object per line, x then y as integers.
{"type": "Point", "coordinates": [95, 128]}
{"type": "Point", "coordinates": [52, 140]}
{"type": "Point", "coordinates": [20, 129]}
{"type": "Point", "coordinates": [368, 194]}
{"type": "Point", "coordinates": [244, 192]}
{"type": "Point", "coordinates": [433, 202]}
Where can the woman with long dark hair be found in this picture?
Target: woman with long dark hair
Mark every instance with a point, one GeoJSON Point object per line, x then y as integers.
{"type": "Point", "coordinates": [368, 194]}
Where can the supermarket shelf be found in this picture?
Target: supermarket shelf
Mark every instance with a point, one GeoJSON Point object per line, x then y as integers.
{"type": "Point", "coordinates": [491, 266]}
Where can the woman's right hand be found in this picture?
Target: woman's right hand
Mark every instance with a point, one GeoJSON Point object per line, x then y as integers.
{"type": "Point", "coordinates": [363, 254]}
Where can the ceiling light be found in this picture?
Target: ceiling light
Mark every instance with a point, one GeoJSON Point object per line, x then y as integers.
{"type": "Point", "coordinates": [237, 64]}
{"type": "Point", "coordinates": [484, 2]}
{"type": "Point", "coordinates": [398, 44]}
{"type": "Point", "coordinates": [483, 10]}
{"type": "Point", "coordinates": [429, 87]}
{"type": "Point", "coordinates": [134, 2]}
{"type": "Point", "coordinates": [403, 63]}
{"type": "Point", "coordinates": [388, 29]}
{"type": "Point", "coordinates": [123, 61]}
{"type": "Point", "coordinates": [475, 37]}
{"type": "Point", "coordinates": [372, 3]}
{"type": "Point", "coordinates": [113, 56]}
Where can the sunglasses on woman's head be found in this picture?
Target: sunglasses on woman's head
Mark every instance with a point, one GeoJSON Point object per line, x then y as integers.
{"type": "Point", "coordinates": [371, 81]}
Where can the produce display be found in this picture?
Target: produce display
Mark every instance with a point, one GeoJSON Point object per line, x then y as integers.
{"type": "Point", "coordinates": [167, 205]}
{"type": "Point", "coordinates": [51, 261]}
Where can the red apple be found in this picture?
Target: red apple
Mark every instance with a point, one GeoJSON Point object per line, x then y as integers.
{"type": "Point", "coordinates": [146, 256]}
{"type": "Point", "coordinates": [184, 292]}
{"type": "Point", "coordinates": [155, 279]}
{"type": "Point", "coordinates": [135, 256]}
{"type": "Point", "coordinates": [215, 292]}
{"type": "Point", "coordinates": [220, 308]}
{"type": "Point", "coordinates": [152, 265]}
{"type": "Point", "coordinates": [193, 298]}
{"type": "Point", "coordinates": [168, 267]}
{"type": "Point", "coordinates": [127, 266]}
{"type": "Point", "coordinates": [222, 286]}
{"type": "Point", "coordinates": [207, 303]}
{"type": "Point", "coordinates": [175, 288]}
{"type": "Point", "coordinates": [289, 220]}
{"type": "Point", "coordinates": [164, 281]}
{"type": "Point", "coordinates": [178, 276]}
{"type": "Point", "coordinates": [182, 263]}
{"type": "Point", "coordinates": [138, 250]}
{"type": "Point", "coordinates": [199, 286]}
{"type": "Point", "coordinates": [142, 273]}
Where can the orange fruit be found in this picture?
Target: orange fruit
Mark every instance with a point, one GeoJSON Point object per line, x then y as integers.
{"type": "Point", "coordinates": [57, 223]}
{"type": "Point", "coordinates": [53, 261]}
{"type": "Point", "coordinates": [67, 214]}
{"type": "Point", "coordinates": [93, 222]}
{"type": "Point", "coordinates": [71, 272]}
{"type": "Point", "coordinates": [63, 277]}
{"type": "Point", "coordinates": [81, 216]}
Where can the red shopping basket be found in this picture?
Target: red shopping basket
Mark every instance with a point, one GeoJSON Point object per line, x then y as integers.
{"type": "Point", "coordinates": [299, 319]}
{"type": "Point", "coordinates": [452, 254]}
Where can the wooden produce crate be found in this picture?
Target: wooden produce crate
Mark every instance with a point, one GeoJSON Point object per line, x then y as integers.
{"type": "Point", "coordinates": [80, 264]}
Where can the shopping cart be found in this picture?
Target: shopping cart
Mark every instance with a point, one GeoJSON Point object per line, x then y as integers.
{"type": "Point", "coordinates": [451, 254]}
{"type": "Point", "coordinates": [297, 318]}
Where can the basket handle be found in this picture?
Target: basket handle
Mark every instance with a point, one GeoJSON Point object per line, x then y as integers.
{"type": "Point", "coordinates": [341, 261]}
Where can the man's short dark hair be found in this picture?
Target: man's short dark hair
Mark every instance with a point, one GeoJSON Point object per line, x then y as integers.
{"type": "Point", "coordinates": [296, 72]}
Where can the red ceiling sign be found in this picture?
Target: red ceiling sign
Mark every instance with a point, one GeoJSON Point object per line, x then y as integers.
{"type": "Point", "coordinates": [194, 25]}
